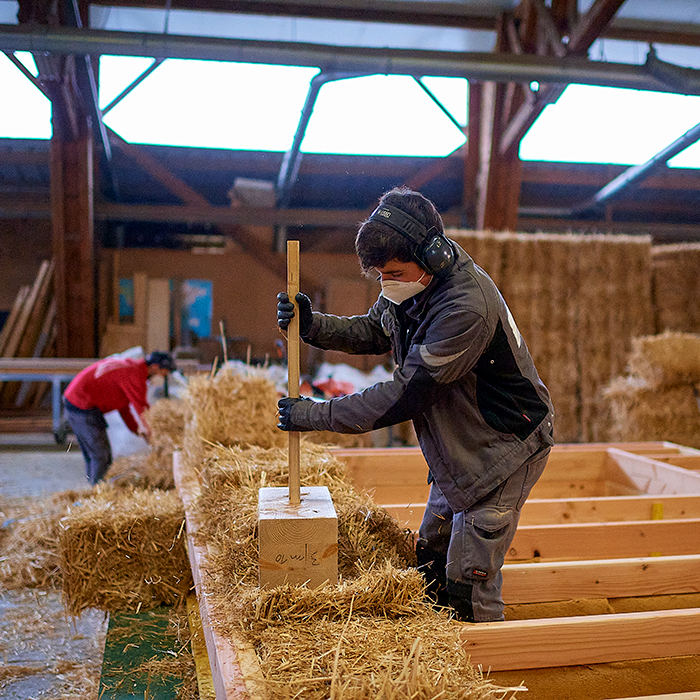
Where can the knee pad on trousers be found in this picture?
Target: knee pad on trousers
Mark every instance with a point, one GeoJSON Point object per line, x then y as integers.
{"type": "Point", "coordinates": [432, 565]}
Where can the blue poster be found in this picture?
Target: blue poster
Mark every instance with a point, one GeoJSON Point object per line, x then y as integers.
{"type": "Point", "coordinates": [197, 305]}
{"type": "Point", "coordinates": [126, 299]}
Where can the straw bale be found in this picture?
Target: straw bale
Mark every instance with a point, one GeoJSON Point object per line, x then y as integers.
{"type": "Point", "coordinates": [166, 419]}
{"type": "Point", "coordinates": [373, 637]}
{"type": "Point", "coordinates": [124, 549]}
{"type": "Point", "coordinates": [641, 412]}
{"type": "Point", "coordinates": [231, 478]}
{"type": "Point", "coordinates": [146, 469]}
{"type": "Point", "coordinates": [29, 537]}
{"type": "Point", "coordinates": [676, 287]}
{"type": "Point", "coordinates": [234, 409]}
{"type": "Point", "coordinates": [667, 359]}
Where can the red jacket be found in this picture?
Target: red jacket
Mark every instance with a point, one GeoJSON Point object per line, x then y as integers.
{"type": "Point", "coordinates": [111, 384]}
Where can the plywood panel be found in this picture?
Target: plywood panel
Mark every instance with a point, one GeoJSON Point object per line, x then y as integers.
{"type": "Point", "coordinates": [158, 315]}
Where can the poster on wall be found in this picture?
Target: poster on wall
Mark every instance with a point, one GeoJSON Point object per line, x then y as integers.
{"type": "Point", "coordinates": [197, 307]}
{"type": "Point", "coordinates": [126, 300]}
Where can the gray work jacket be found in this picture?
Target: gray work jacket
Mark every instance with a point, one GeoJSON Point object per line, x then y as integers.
{"type": "Point", "coordinates": [464, 376]}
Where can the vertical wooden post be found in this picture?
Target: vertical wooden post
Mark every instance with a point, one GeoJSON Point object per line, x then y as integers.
{"type": "Point", "coordinates": [73, 243]}
{"type": "Point", "coordinates": [293, 367]}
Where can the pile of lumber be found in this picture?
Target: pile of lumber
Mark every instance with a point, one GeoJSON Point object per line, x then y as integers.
{"type": "Point", "coordinates": [30, 331]}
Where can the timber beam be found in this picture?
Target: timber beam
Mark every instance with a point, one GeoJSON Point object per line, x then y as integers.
{"type": "Point", "coordinates": [509, 110]}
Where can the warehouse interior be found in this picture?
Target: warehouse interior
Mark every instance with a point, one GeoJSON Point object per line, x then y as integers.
{"type": "Point", "coordinates": [112, 246]}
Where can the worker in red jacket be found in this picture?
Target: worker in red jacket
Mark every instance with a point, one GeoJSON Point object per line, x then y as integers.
{"type": "Point", "coordinates": [112, 384]}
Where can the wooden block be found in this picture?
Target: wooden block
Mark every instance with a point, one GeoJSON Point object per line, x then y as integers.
{"type": "Point", "coordinates": [611, 578]}
{"type": "Point", "coordinates": [297, 544]}
{"type": "Point", "coordinates": [591, 639]}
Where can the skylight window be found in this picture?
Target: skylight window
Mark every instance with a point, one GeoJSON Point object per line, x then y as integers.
{"type": "Point", "coordinates": [208, 104]}
{"type": "Point", "coordinates": [26, 113]}
{"type": "Point", "coordinates": [380, 115]}
{"type": "Point", "coordinates": [590, 124]}
{"type": "Point", "coordinates": [257, 107]}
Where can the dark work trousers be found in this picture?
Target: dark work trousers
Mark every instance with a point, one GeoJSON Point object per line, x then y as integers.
{"type": "Point", "coordinates": [90, 427]}
{"type": "Point", "coordinates": [461, 554]}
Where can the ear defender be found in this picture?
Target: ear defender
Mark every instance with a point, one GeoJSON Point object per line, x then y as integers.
{"type": "Point", "coordinates": [434, 252]}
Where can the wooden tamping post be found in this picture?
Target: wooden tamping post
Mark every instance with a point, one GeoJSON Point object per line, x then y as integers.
{"type": "Point", "coordinates": [293, 367]}
{"type": "Point", "coordinates": [297, 528]}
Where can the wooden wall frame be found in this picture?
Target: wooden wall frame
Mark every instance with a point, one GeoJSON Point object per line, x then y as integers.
{"type": "Point", "coordinates": [637, 534]}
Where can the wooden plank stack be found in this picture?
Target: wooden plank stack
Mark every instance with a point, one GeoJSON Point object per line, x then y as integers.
{"type": "Point", "coordinates": [30, 331]}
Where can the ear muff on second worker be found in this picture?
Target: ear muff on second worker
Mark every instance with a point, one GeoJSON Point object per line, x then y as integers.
{"type": "Point", "coordinates": [434, 252]}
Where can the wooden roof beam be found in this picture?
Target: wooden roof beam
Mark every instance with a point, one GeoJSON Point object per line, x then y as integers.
{"type": "Point", "coordinates": [586, 31]}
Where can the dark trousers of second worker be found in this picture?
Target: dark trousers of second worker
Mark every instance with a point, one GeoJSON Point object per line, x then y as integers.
{"type": "Point", "coordinates": [90, 428]}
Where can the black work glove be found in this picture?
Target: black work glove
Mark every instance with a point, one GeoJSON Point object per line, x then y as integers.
{"type": "Point", "coordinates": [285, 406]}
{"type": "Point", "coordinates": [285, 312]}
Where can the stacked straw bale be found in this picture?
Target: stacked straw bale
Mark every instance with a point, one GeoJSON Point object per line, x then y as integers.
{"type": "Point", "coordinates": [676, 287]}
{"type": "Point", "coordinates": [166, 419]}
{"type": "Point", "coordinates": [29, 540]}
{"type": "Point", "coordinates": [124, 549]}
{"type": "Point", "coordinates": [657, 400]}
{"type": "Point", "coordinates": [578, 300]}
{"type": "Point", "coordinates": [231, 408]}
{"type": "Point", "coordinates": [147, 469]}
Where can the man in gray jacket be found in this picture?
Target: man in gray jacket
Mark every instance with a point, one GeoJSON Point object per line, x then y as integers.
{"type": "Point", "coordinates": [463, 375]}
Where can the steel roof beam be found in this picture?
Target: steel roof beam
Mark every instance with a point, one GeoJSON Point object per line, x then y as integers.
{"type": "Point", "coordinates": [415, 12]}
{"type": "Point", "coordinates": [471, 65]}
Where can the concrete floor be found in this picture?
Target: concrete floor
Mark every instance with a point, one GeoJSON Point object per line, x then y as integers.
{"type": "Point", "coordinates": [42, 653]}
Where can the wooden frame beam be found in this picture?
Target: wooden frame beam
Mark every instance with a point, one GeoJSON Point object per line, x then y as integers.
{"type": "Point", "coordinates": [614, 540]}
{"type": "Point", "coordinates": [601, 578]}
{"type": "Point", "coordinates": [234, 665]}
{"type": "Point", "coordinates": [586, 31]}
{"type": "Point", "coordinates": [582, 640]}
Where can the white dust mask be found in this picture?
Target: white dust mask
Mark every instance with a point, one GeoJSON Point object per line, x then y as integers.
{"type": "Point", "coordinates": [397, 292]}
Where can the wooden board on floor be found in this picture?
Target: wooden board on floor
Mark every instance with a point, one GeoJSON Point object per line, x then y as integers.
{"type": "Point", "coordinates": [552, 511]}
{"type": "Point", "coordinates": [606, 540]}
